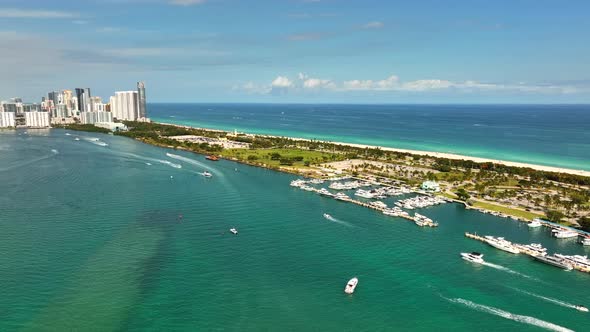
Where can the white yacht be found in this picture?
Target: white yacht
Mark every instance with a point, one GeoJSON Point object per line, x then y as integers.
{"type": "Point", "coordinates": [474, 257]}
{"type": "Point", "coordinates": [564, 233]}
{"type": "Point", "coordinates": [535, 223]}
{"type": "Point", "coordinates": [76, 139]}
{"type": "Point", "coordinates": [351, 285]}
{"type": "Point", "coordinates": [533, 249]}
{"type": "Point", "coordinates": [581, 263]}
{"type": "Point", "coordinates": [379, 204]}
{"type": "Point", "coordinates": [325, 192]}
{"type": "Point", "coordinates": [233, 230]}
{"type": "Point", "coordinates": [585, 241]}
{"type": "Point", "coordinates": [581, 308]}
{"type": "Point", "coordinates": [341, 196]}
{"type": "Point", "coordinates": [364, 193]}
{"type": "Point", "coordinates": [502, 244]}
{"type": "Point", "coordinates": [206, 174]}
{"type": "Point", "coordinates": [327, 216]}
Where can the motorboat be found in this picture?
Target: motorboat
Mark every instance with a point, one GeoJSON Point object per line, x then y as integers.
{"type": "Point", "coordinates": [351, 285]}
{"type": "Point", "coordinates": [535, 223]}
{"type": "Point", "coordinates": [473, 257]}
{"type": "Point", "coordinates": [564, 233]}
{"type": "Point", "coordinates": [581, 308]}
{"type": "Point", "coordinates": [585, 241]}
{"type": "Point", "coordinates": [502, 244]}
{"type": "Point", "coordinates": [76, 139]}
{"type": "Point", "coordinates": [327, 216]}
{"type": "Point", "coordinates": [233, 230]}
{"type": "Point", "coordinates": [555, 261]}
{"type": "Point", "coordinates": [207, 174]}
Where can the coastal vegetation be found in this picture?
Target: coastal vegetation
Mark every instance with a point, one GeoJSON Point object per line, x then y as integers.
{"type": "Point", "coordinates": [522, 192]}
{"type": "Point", "coordinates": [86, 127]}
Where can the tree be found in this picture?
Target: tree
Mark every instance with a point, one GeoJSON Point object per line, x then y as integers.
{"type": "Point", "coordinates": [463, 194]}
{"type": "Point", "coordinates": [585, 223]}
{"type": "Point", "coordinates": [252, 157]}
{"type": "Point", "coordinates": [275, 156]}
{"type": "Point", "coordinates": [554, 215]}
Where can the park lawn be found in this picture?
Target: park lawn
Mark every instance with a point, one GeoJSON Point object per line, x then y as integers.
{"type": "Point", "coordinates": [264, 156]}
{"type": "Point", "coordinates": [506, 210]}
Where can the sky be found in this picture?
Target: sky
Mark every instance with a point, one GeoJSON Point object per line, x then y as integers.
{"type": "Point", "coordinates": [300, 51]}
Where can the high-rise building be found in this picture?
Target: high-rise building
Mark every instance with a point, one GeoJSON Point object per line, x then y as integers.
{"type": "Point", "coordinates": [67, 98]}
{"type": "Point", "coordinates": [141, 100]}
{"type": "Point", "coordinates": [94, 117]}
{"type": "Point", "coordinates": [124, 105]}
{"type": "Point", "coordinates": [7, 119]}
{"type": "Point", "coordinates": [84, 101]}
{"type": "Point", "coordinates": [37, 119]}
{"type": "Point", "coordinates": [54, 96]}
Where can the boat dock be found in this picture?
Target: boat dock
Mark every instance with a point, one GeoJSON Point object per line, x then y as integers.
{"type": "Point", "coordinates": [475, 237]}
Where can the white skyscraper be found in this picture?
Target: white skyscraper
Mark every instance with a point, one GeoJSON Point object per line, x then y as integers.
{"type": "Point", "coordinates": [124, 105]}
{"type": "Point", "coordinates": [37, 119]}
{"type": "Point", "coordinates": [7, 119]}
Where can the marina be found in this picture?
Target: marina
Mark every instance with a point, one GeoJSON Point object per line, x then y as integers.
{"type": "Point", "coordinates": [420, 201]}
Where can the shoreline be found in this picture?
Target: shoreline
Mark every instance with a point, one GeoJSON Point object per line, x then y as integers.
{"type": "Point", "coordinates": [417, 152]}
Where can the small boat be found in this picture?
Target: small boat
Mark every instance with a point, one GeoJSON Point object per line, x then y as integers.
{"type": "Point", "coordinates": [351, 285]}
{"type": "Point", "coordinates": [233, 230]}
{"type": "Point", "coordinates": [585, 241]}
{"type": "Point", "coordinates": [206, 174]}
{"type": "Point", "coordinates": [535, 223]}
{"type": "Point", "coordinates": [68, 134]}
{"type": "Point", "coordinates": [76, 139]}
{"type": "Point", "coordinates": [581, 308]}
{"type": "Point", "coordinates": [327, 216]}
{"type": "Point", "coordinates": [212, 158]}
{"type": "Point", "coordinates": [564, 233]}
{"type": "Point", "coordinates": [473, 257]}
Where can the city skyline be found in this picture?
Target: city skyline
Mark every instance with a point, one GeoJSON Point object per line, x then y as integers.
{"type": "Point", "coordinates": [301, 51]}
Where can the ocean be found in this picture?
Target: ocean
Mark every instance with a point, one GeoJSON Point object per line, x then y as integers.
{"type": "Point", "coordinates": [550, 135]}
{"type": "Point", "coordinates": [118, 237]}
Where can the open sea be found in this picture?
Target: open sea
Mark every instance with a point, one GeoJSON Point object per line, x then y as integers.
{"type": "Point", "coordinates": [551, 135]}
{"type": "Point", "coordinates": [131, 237]}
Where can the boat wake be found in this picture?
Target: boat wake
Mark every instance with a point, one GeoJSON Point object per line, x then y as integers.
{"type": "Point", "coordinates": [94, 140]}
{"type": "Point", "coordinates": [505, 269]}
{"type": "Point", "coordinates": [505, 314]}
{"type": "Point", "coordinates": [338, 221]}
{"type": "Point", "coordinates": [169, 163]}
{"type": "Point", "coordinates": [548, 299]}
{"type": "Point", "coordinates": [187, 160]}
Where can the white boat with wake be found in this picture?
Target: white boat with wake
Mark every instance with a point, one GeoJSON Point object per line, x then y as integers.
{"type": "Point", "coordinates": [233, 230]}
{"type": "Point", "coordinates": [473, 257]}
{"type": "Point", "coordinates": [327, 216]}
{"type": "Point", "coordinates": [351, 285]}
{"type": "Point", "coordinates": [206, 174]}
{"type": "Point", "coordinates": [580, 307]}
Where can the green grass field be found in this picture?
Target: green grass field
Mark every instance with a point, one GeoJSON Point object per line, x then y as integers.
{"type": "Point", "coordinates": [510, 211]}
{"type": "Point", "coordinates": [265, 156]}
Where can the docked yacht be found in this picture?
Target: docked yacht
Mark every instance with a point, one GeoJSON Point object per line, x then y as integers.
{"type": "Point", "coordinates": [555, 261]}
{"type": "Point", "coordinates": [580, 307]}
{"type": "Point", "coordinates": [379, 204]}
{"type": "Point", "coordinates": [341, 196]}
{"type": "Point", "coordinates": [533, 249]}
{"type": "Point", "coordinates": [581, 263]}
{"type": "Point", "coordinates": [325, 192]}
{"type": "Point", "coordinates": [233, 230]}
{"type": "Point", "coordinates": [535, 223]}
{"type": "Point", "coordinates": [364, 193]}
{"type": "Point", "coordinates": [585, 241]}
{"type": "Point", "coordinates": [351, 285]}
{"type": "Point", "coordinates": [502, 244]}
{"type": "Point", "coordinates": [473, 257]}
{"type": "Point", "coordinates": [563, 233]}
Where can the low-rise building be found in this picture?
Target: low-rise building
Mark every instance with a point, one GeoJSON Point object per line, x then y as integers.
{"type": "Point", "coordinates": [7, 120]}
{"type": "Point", "coordinates": [37, 119]}
{"type": "Point", "coordinates": [112, 126]}
{"type": "Point", "coordinates": [430, 186]}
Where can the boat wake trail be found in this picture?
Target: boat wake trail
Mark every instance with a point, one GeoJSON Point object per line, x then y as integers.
{"type": "Point", "coordinates": [94, 140]}
{"type": "Point", "coordinates": [186, 160]}
{"type": "Point", "coordinates": [166, 162]}
{"type": "Point", "coordinates": [505, 314]}
{"type": "Point", "coordinates": [505, 269]}
{"type": "Point", "coordinates": [548, 299]}
{"type": "Point", "coordinates": [338, 221]}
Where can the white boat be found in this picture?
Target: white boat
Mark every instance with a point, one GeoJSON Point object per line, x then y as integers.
{"type": "Point", "coordinates": [585, 241]}
{"type": "Point", "coordinates": [473, 257]}
{"type": "Point", "coordinates": [502, 244]}
{"type": "Point", "coordinates": [581, 308]}
{"type": "Point", "coordinates": [535, 223]}
{"type": "Point", "coordinates": [341, 196]}
{"type": "Point", "coordinates": [233, 230]}
{"type": "Point", "coordinates": [76, 139]}
{"type": "Point", "coordinates": [351, 285]}
{"type": "Point", "coordinates": [364, 193]}
{"type": "Point", "coordinates": [564, 233]}
{"type": "Point", "coordinates": [68, 134]}
{"type": "Point", "coordinates": [325, 192]}
{"type": "Point", "coordinates": [327, 216]}
{"type": "Point", "coordinates": [533, 249]}
{"type": "Point", "coordinates": [379, 204]}
{"type": "Point", "coordinates": [206, 174]}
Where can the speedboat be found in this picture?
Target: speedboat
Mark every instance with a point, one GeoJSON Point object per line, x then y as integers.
{"type": "Point", "coordinates": [581, 308]}
{"type": "Point", "coordinates": [351, 285]}
{"type": "Point", "coordinates": [207, 174]}
{"type": "Point", "coordinates": [76, 139]}
{"type": "Point", "coordinates": [535, 223]}
{"type": "Point", "coordinates": [473, 257]}
{"type": "Point", "coordinates": [327, 216]}
{"type": "Point", "coordinates": [233, 230]}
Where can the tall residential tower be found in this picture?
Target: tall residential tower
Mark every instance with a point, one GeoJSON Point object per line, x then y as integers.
{"type": "Point", "coordinates": [141, 100]}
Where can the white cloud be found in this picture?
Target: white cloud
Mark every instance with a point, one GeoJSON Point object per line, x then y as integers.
{"type": "Point", "coordinates": [374, 25]}
{"type": "Point", "coordinates": [80, 22]}
{"type": "Point", "coordinates": [282, 82]}
{"type": "Point", "coordinates": [187, 2]}
{"type": "Point", "coordinates": [316, 83]}
{"type": "Point", "coordinates": [387, 84]}
{"type": "Point", "coordinates": [23, 13]}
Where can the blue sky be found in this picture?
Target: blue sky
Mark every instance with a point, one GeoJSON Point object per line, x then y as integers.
{"type": "Point", "coordinates": [421, 51]}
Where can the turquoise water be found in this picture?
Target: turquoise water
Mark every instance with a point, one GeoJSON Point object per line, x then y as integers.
{"type": "Point", "coordinates": [552, 135]}
{"type": "Point", "coordinates": [91, 239]}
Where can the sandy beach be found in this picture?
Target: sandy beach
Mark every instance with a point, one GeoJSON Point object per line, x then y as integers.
{"type": "Point", "coordinates": [427, 153]}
